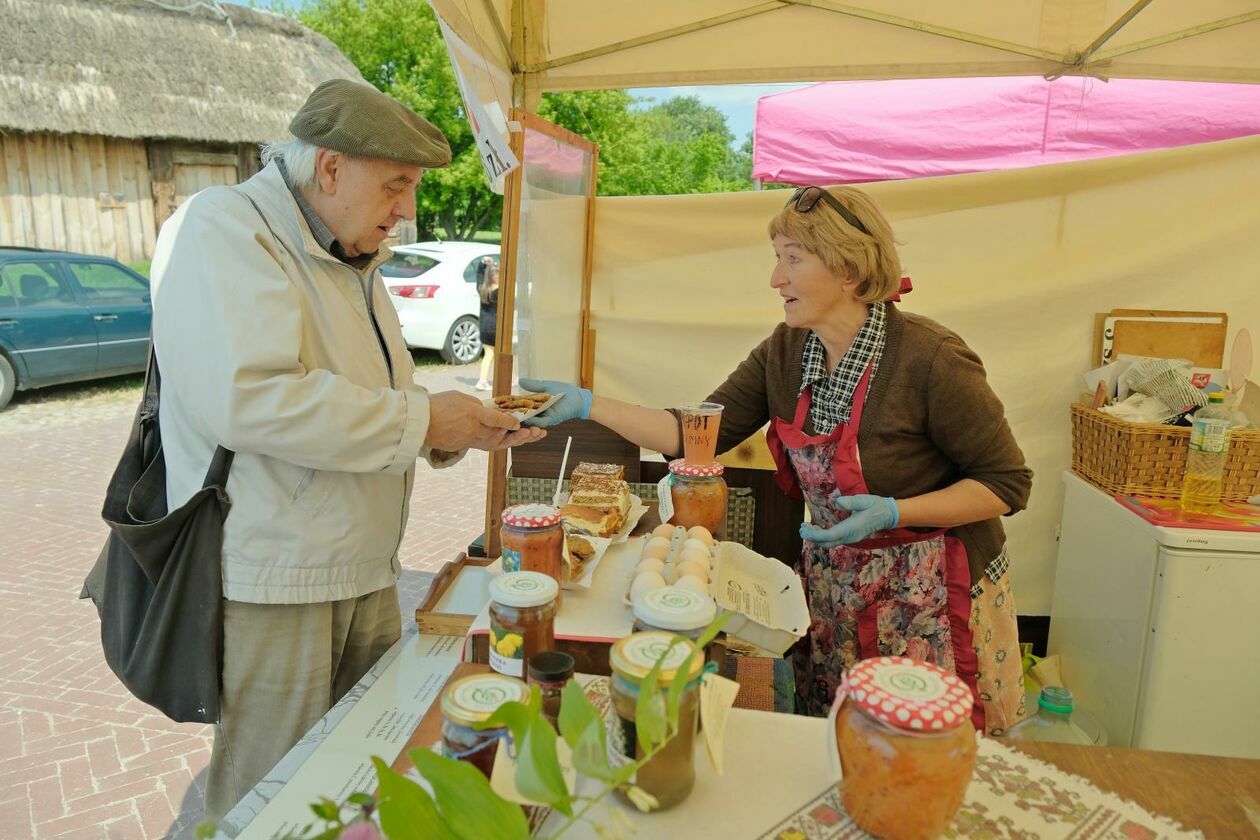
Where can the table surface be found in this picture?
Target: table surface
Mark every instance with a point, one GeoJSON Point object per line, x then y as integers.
{"type": "Point", "coordinates": [1216, 795]}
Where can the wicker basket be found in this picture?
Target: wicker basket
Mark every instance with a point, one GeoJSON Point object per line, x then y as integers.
{"type": "Point", "coordinates": [1149, 459]}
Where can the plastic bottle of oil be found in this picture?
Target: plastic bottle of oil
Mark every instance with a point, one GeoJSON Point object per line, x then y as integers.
{"type": "Point", "coordinates": [1205, 463]}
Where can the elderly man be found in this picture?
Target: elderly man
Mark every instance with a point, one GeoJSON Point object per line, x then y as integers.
{"type": "Point", "coordinates": [274, 339]}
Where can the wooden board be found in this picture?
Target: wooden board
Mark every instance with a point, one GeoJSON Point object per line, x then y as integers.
{"type": "Point", "coordinates": [1203, 344]}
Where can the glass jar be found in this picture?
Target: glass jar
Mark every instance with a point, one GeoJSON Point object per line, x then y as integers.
{"type": "Point", "coordinates": [522, 619]}
{"type": "Point", "coordinates": [673, 609]}
{"type": "Point", "coordinates": [551, 670]}
{"type": "Point", "coordinates": [469, 701]}
{"type": "Point", "coordinates": [533, 540]}
{"type": "Point", "coordinates": [906, 746]}
{"type": "Point", "coordinates": [670, 774]}
{"type": "Point", "coordinates": [699, 495]}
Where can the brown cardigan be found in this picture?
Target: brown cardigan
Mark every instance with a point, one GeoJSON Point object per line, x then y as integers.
{"type": "Point", "coordinates": [930, 419]}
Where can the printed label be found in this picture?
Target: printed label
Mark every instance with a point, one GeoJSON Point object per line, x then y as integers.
{"type": "Point", "coordinates": [507, 651]}
{"type": "Point", "coordinates": [1211, 435]}
{"type": "Point", "coordinates": [664, 499]}
{"type": "Point", "coordinates": [511, 560]}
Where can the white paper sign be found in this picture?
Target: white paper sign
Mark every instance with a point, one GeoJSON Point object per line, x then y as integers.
{"type": "Point", "coordinates": [664, 500]}
{"type": "Point", "coordinates": [495, 154]}
{"type": "Point", "coordinates": [717, 696]}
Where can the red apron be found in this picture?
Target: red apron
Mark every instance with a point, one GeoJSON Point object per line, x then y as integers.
{"type": "Point", "coordinates": [897, 593]}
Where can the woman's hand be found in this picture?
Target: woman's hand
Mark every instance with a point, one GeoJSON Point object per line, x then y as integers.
{"type": "Point", "coordinates": [574, 402]}
{"type": "Point", "coordinates": [867, 515]}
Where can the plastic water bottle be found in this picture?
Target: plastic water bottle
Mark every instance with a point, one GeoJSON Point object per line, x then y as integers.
{"type": "Point", "coordinates": [1205, 462]}
{"type": "Point", "coordinates": [1053, 720]}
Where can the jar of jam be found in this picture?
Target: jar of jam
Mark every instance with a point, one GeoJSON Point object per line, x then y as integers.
{"type": "Point", "coordinates": [699, 494]}
{"type": "Point", "coordinates": [906, 746]}
{"type": "Point", "coordinates": [533, 540]}
{"type": "Point", "coordinates": [469, 701]}
{"type": "Point", "coordinates": [670, 774]}
{"type": "Point", "coordinates": [673, 609]}
{"type": "Point", "coordinates": [551, 670]}
{"type": "Point", "coordinates": [522, 619]}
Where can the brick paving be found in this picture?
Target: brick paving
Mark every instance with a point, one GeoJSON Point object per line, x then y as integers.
{"type": "Point", "coordinates": [79, 757]}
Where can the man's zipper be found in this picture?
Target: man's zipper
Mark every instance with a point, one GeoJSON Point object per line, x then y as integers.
{"type": "Point", "coordinates": [368, 294]}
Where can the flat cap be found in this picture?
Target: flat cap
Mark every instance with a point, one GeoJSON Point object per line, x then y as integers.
{"type": "Point", "coordinates": [360, 120]}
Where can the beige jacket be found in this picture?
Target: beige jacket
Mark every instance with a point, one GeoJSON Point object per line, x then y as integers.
{"type": "Point", "coordinates": [267, 346]}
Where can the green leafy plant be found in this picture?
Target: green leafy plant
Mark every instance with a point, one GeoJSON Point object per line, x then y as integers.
{"type": "Point", "coordinates": [462, 805]}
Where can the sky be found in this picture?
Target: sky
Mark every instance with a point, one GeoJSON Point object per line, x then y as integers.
{"type": "Point", "coordinates": [737, 102]}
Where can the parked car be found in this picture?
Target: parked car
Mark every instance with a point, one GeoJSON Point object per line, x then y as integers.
{"type": "Point", "coordinates": [67, 317]}
{"type": "Point", "coordinates": [433, 285]}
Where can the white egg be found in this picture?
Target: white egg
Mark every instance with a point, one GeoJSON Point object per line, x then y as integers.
{"type": "Point", "coordinates": [691, 568]}
{"type": "Point", "coordinates": [665, 531]}
{"type": "Point", "coordinates": [645, 583]}
{"type": "Point", "coordinates": [693, 583]}
{"type": "Point", "coordinates": [670, 572]}
{"type": "Point", "coordinates": [699, 556]}
{"type": "Point", "coordinates": [659, 542]}
{"type": "Point", "coordinates": [649, 564]}
{"type": "Point", "coordinates": [699, 532]}
{"type": "Point", "coordinates": [692, 542]}
{"type": "Point", "coordinates": [655, 550]}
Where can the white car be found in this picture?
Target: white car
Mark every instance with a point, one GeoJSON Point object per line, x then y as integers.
{"type": "Point", "coordinates": [433, 285]}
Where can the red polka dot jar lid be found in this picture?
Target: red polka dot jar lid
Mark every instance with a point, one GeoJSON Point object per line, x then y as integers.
{"type": "Point", "coordinates": [681, 467]}
{"type": "Point", "coordinates": [909, 695]}
{"type": "Point", "coordinates": [531, 516]}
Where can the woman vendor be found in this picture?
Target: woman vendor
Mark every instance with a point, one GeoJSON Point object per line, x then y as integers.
{"type": "Point", "coordinates": [883, 421]}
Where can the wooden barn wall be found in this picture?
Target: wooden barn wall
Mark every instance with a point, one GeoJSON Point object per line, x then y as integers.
{"type": "Point", "coordinates": [76, 192]}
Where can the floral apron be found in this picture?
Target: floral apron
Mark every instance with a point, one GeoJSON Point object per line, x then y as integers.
{"type": "Point", "coordinates": [897, 593]}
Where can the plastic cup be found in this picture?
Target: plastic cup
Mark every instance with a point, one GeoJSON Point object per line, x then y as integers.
{"type": "Point", "coordinates": [700, 423]}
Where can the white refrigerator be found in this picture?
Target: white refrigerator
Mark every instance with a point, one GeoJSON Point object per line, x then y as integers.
{"type": "Point", "coordinates": [1158, 628]}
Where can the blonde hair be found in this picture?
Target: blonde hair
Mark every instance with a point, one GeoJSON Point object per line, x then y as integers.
{"type": "Point", "coordinates": [847, 252]}
{"type": "Point", "coordinates": [489, 282]}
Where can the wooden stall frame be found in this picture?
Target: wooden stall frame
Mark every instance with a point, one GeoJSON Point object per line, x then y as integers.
{"type": "Point", "coordinates": [520, 122]}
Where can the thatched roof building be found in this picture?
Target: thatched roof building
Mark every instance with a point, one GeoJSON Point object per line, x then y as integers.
{"type": "Point", "coordinates": [112, 112]}
{"type": "Point", "coordinates": [133, 68]}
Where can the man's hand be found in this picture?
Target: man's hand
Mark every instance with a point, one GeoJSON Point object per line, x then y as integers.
{"type": "Point", "coordinates": [867, 515]}
{"type": "Point", "coordinates": [458, 421]}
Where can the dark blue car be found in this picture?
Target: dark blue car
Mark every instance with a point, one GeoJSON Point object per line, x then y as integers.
{"type": "Point", "coordinates": [66, 317]}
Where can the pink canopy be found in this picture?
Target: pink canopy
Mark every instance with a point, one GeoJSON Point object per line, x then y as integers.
{"type": "Point", "coordinates": [851, 132]}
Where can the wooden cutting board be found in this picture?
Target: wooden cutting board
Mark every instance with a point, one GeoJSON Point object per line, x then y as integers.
{"type": "Point", "coordinates": [1201, 343]}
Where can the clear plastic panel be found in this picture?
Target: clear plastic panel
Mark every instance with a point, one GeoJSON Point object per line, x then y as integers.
{"type": "Point", "coordinates": [547, 340]}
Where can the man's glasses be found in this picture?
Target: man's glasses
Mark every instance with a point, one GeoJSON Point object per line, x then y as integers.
{"type": "Point", "coordinates": [806, 199]}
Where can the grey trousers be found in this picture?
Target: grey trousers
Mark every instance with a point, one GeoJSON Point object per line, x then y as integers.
{"type": "Point", "coordinates": [284, 667]}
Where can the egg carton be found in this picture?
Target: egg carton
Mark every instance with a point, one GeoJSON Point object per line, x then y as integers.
{"type": "Point", "coordinates": [675, 556]}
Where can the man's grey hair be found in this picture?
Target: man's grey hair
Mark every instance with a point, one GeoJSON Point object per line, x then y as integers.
{"type": "Point", "coordinates": [298, 158]}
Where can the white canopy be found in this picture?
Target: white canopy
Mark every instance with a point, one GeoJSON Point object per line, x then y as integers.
{"type": "Point", "coordinates": [580, 44]}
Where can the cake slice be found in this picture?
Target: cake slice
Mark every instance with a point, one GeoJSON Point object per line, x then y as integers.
{"type": "Point", "coordinates": [585, 470]}
{"type": "Point", "coordinates": [597, 504]}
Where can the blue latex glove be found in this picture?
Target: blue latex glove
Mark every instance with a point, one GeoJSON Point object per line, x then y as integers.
{"type": "Point", "coordinates": [868, 514]}
{"type": "Point", "coordinates": [574, 402]}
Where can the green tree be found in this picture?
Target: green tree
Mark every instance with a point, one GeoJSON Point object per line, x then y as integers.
{"type": "Point", "coordinates": [397, 46]}
{"type": "Point", "coordinates": [677, 146]}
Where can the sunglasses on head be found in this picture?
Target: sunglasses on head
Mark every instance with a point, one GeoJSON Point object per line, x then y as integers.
{"type": "Point", "coordinates": [806, 199]}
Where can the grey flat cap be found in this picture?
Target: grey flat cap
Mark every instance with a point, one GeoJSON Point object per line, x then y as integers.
{"type": "Point", "coordinates": [360, 120]}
